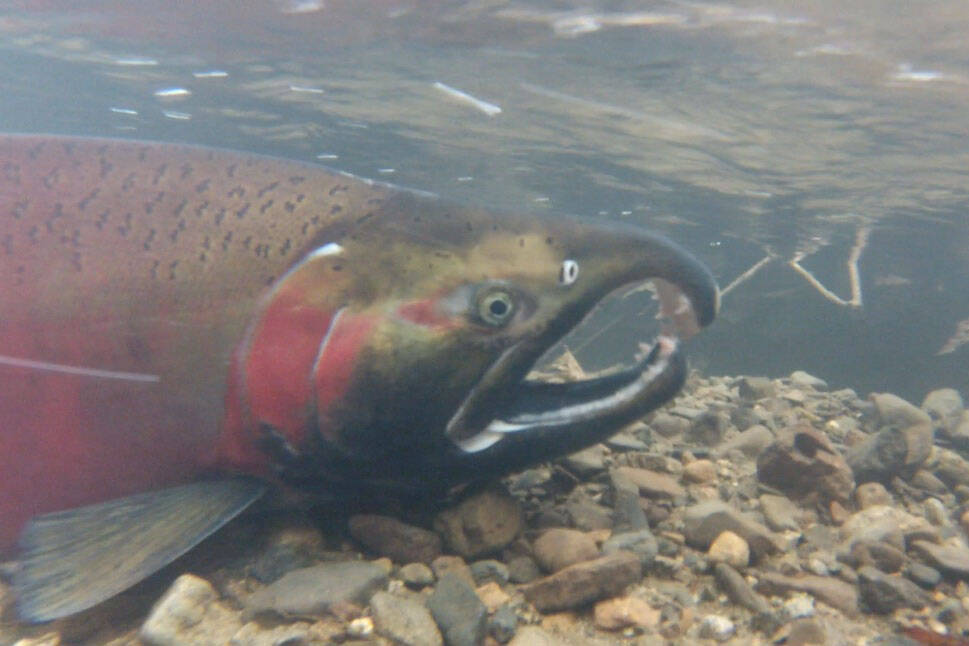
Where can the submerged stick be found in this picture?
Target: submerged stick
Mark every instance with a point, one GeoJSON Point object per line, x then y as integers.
{"type": "Point", "coordinates": [861, 241]}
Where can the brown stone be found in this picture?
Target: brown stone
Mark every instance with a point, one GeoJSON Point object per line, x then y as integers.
{"type": "Point", "coordinates": [653, 484]}
{"type": "Point", "coordinates": [872, 493]}
{"type": "Point", "coordinates": [452, 565]}
{"type": "Point", "coordinates": [559, 548]}
{"type": "Point", "coordinates": [481, 524]}
{"type": "Point", "coordinates": [584, 583]}
{"type": "Point", "coordinates": [700, 471]}
{"type": "Point", "coordinates": [730, 549]}
{"type": "Point", "coordinates": [834, 592]}
{"type": "Point", "coordinates": [388, 536]}
{"type": "Point", "coordinates": [625, 612]}
{"type": "Point", "coordinates": [803, 463]}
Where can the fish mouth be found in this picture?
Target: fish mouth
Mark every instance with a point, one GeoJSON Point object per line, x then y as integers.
{"type": "Point", "coordinates": [536, 415]}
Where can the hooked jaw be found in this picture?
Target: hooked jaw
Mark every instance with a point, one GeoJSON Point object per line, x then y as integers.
{"type": "Point", "coordinates": [536, 420]}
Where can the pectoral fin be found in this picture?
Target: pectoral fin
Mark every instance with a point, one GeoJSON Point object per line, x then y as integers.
{"type": "Point", "coordinates": [75, 559]}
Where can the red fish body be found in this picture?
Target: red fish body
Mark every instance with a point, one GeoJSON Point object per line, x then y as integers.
{"type": "Point", "coordinates": [171, 313]}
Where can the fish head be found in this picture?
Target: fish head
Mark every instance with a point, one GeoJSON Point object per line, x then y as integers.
{"type": "Point", "coordinates": [426, 320]}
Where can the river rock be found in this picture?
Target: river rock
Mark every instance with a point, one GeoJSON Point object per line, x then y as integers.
{"type": "Point", "coordinates": [404, 621]}
{"type": "Point", "coordinates": [779, 512]}
{"type": "Point", "coordinates": [700, 471]}
{"type": "Point", "coordinates": [754, 388]}
{"type": "Point", "coordinates": [534, 636]}
{"type": "Point", "coordinates": [629, 514]}
{"type": "Point", "coordinates": [705, 521]}
{"type": "Point", "coordinates": [642, 543]}
{"type": "Point", "coordinates": [653, 484]}
{"type": "Point", "coordinates": [390, 537]}
{"type": "Point", "coordinates": [803, 464]}
{"type": "Point", "coordinates": [891, 452]}
{"type": "Point", "coordinates": [416, 575]}
{"type": "Point", "coordinates": [458, 611]}
{"type": "Point", "coordinates": [708, 428]}
{"type": "Point", "coordinates": [869, 494]}
{"type": "Point", "coordinates": [559, 548]}
{"type": "Point", "coordinates": [923, 575]}
{"type": "Point", "coordinates": [717, 627]}
{"type": "Point", "coordinates": [588, 462]}
{"type": "Point", "coordinates": [625, 612]}
{"type": "Point", "coordinates": [751, 442]}
{"type": "Point", "coordinates": [892, 410]}
{"type": "Point", "coordinates": [448, 564]}
{"type": "Point", "coordinates": [585, 582]}
{"type": "Point", "coordinates": [738, 590]}
{"type": "Point", "coordinates": [951, 467]}
{"type": "Point", "coordinates": [951, 557]}
{"type": "Point", "coordinates": [481, 524]}
{"type": "Point", "coordinates": [730, 549]}
{"type": "Point", "coordinates": [189, 613]}
{"type": "Point", "coordinates": [886, 523]}
{"type": "Point", "coordinates": [523, 569]}
{"type": "Point", "coordinates": [489, 570]}
{"type": "Point", "coordinates": [666, 425]}
{"type": "Point", "coordinates": [945, 407]}
{"type": "Point", "coordinates": [313, 590]}
{"type": "Point", "coordinates": [834, 592]}
{"type": "Point", "coordinates": [884, 593]}
{"type": "Point", "coordinates": [801, 378]}
{"type": "Point", "coordinates": [883, 556]}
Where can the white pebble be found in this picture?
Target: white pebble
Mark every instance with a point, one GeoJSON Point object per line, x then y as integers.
{"type": "Point", "coordinates": [717, 627]}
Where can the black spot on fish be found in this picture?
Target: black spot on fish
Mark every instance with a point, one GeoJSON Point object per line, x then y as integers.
{"type": "Point", "coordinates": [336, 208]}
{"type": "Point", "coordinates": [290, 207]}
{"type": "Point", "coordinates": [521, 242]}
{"type": "Point", "coordinates": [87, 200]}
{"type": "Point", "coordinates": [241, 213]}
{"type": "Point", "coordinates": [231, 170]}
{"type": "Point", "coordinates": [300, 197]}
{"type": "Point", "coordinates": [19, 209]}
{"type": "Point", "coordinates": [76, 260]}
{"type": "Point", "coordinates": [266, 189]}
{"type": "Point", "coordinates": [339, 188]}
{"type": "Point", "coordinates": [154, 269]}
{"type": "Point", "coordinates": [247, 242]}
{"type": "Point", "coordinates": [201, 208]}
{"type": "Point", "coordinates": [11, 173]}
{"type": "Point", "coordinates": [7, 244]}
{"type": "Point", "coordinates": [366, 216]}
{"type": "Point", "coordinates": [149, 239]}
{"type": "Point", "coordinates": [238, 191]}
{"type": "Point", "coordinates": [296, 180]}
{"type": "Point", "coordinates": [102, 220]}
{"type": "Point", "coordinates": [159, 173]}
{"type": "Point", "coordinates": [50, 179]}
{"type": "Point", "coordinates": [186, 171]}
{"type": "Point", "coordinates": [284, 249]}
{"type": "Point", "coordinates": [265, 207]}
{"type": "Point", "coordinates": [337, 267]}
{"type": "Point", "coordinates": [177, 211]}
{"type": "Point", "coordinates": [171, 269]}
{"type": "Point", "coordinates": [106, 167]}
{"type": "Point", "coordinates": [219, 217]}
{"type": "Point", "coordinates": [128, 182]}
{"type": "Point", "coordinates": [548, 240]}
{"type": "Point", "coordinates": [203, 186]}
{"type": "Point", "coordinates": [226, 240]}
{"type": "Point", "coordinates": [143, 154]}
{"type": "Point", "coordinates": [207, 243]}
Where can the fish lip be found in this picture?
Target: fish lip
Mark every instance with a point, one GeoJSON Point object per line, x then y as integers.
{"type": "Point", "coordinates": [679, 321]}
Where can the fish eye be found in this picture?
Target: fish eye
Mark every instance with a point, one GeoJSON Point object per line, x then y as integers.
{"type": "Point", "coordinates": [496, 307]}
{"type": "Point", "coordinates": [569, 272]}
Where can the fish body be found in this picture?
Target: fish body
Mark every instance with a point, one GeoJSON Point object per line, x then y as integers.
{"type": "Point", "coordinates": [171, 315]}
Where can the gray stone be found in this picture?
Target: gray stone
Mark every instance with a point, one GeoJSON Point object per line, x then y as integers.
{"type": "Point", "coordinates": [923, 575]}
{"type": "Point", "coordinates": [886, 523]}
{"type": "Point", "coordinates": [927, 481]}
{"type": "Point", "coordinates": [404, 621]}
{"type": "Point", "coordinates": [883, 593]}
{"type": "Point", "coordinates": [653, 484]}
{"type": "Point", "coordinates": [447, 564]}
{"type": "Point", "coordinates": [588, 462]}
{"type": "Point", "coordinates": [892, 410]}
{"type": "Point", "coordinates": [750, 442]}
{"type": "Point", "coordinates": [779, 512]}
{"type": "Point", "coordinates": [503, 624]}
{"type": "Point", "coordinates": [629, 513]}
{"type": "Point", "coordinates": [951, 467]}
{"type": "Point", "coordinates": [559, 548]}
{"type": "Point", "coordinates": [667, 425]}
{"type": "Point", "coordinates": [705, 521]}
{"type": "Point", "coordinates": [754, 388]}
{"type": "Point", "coordinates": [458, 611]}
{"type": "Point", "coordinates": [481, 524]}
{"type": "Point", "coordinates": [834, 592]}
{"type": "Point", "coordinates": [587, 515]}
{"type": "Point", "coordinates": [708, 428]}
{"type": "Point", "coordinates": [489, 570]}
{"type": "Point", "coordinates": [624, 441]}
{"type": "Point", "coordinates": [288, 549]}
{"type": "Point", "coordinates": [951, 557]}
{"type": "Point", "coordinates": [801, 378]}
{"type": "Point", "coordinates": [883, 556]}
{"type": "Point", "coordinates": [738, 590]}
{"type": "Point", "coordinates": [891, 452]}
{"type": "Point", "coordinates": [640, 542]}
{"type": "Point", "coordinates": [945, 407]}
{"type": "Point", "coordinates": [402, 543]}
{"type": "Point", "coordinates": [804, 465]}
{"type": "Point", "coordinates": [584, 583]}
{"type": "Point", "coordinates": [416, 575]}
{"type": "Point", "coordinates": [189, 613]}
{"type": "Point", "coordinates": [869, 494]}
{"type": "Point", "coordinates": [313, 590]}
{"type": "Point", "coordinates": [523, 569]}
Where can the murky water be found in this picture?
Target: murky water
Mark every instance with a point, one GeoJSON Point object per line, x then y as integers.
{"type": "Point", "coordinates": [752, 132]}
